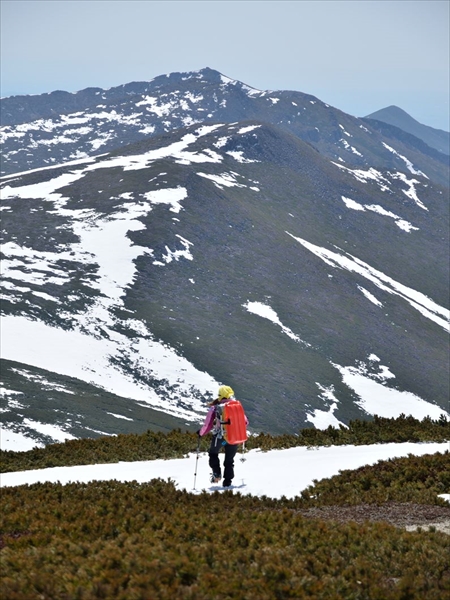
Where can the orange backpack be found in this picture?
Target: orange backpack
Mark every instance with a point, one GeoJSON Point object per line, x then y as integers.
{"type": "Point", "coordinates": [234, 422]}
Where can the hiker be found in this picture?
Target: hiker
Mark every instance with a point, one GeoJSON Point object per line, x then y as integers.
{"type": "Point", "coordinates": [213, 424]}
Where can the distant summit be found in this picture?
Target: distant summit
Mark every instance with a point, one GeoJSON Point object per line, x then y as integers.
{"type": "Point", "coordinates": [393, 115]}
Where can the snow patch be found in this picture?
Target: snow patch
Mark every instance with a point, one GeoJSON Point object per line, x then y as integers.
{"type": "Point", "coordinates": [223, 180]}
{"type": "Point", "coordinates": [402, 223]}
{"type": "Point", "coordinates": [407, 162]}
{"type": "Point", "coordinates": [171, 196]}
{"type": "Point", "coordinates": [119, 416]}
{"type": "Point", "coordinates": [364, 176]}
{"type": "Point", "coordinates": [248, 129]}
{"type": "Point", "coordinates": [345, 132]}
{"type": "Point", "coordinates": [6, 392]}
{"type": "Point", "coordinates": [171, 255]}
{"type": "Point", "coordinates": [90, 359]}
{"type": "Point", "coordinates": [369, 296]}
{"type": "Point", "coordinates": [221, 142]}
{"type": "Point", "coordinates": [349, 203]}
{"type": "Point", "coordinates": [239, 156]}
{"type": "Point", "coordinates": [42, 381]}
{"type": "Point", "coordinates": [377, 399]}
{"type": "Point", "coordinates": [53, 431]}
{"type": "Point", "coordinates": [321, 419]}
{"type": "Point", "coordinates": [267, 312]}
{"type": "Point", "coordinates": [411, 192]}
{"type": "Point", "coordinates": [16, 441]}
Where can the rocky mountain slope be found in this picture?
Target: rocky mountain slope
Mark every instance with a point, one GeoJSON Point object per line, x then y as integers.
{"type": "Point", "coordinates": [137, 280]}
{"type": "Point", "coordinates": [435, 138]}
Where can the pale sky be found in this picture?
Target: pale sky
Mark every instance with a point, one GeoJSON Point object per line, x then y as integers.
{"type": "Point", "coordinates": [358, 56]}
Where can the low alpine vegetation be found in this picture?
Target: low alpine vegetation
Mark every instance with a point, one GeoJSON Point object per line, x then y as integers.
{"type": "Point", "coordinates": [417, 479]}
{"type": "Point", "coordinates": [140, 541]}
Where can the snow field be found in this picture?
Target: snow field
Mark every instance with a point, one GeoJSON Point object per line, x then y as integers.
{"type": "Point", "coordinates": [273, 474]}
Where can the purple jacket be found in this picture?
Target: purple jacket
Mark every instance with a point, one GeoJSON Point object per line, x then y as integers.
{"type": "Point", "coordinates": [210, 416]}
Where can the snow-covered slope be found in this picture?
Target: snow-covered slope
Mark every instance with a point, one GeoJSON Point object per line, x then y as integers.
{"type": "Point", "coordinates": [273, 474]}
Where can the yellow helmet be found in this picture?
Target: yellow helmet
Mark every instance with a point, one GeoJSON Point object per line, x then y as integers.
{"type": "Point", "coordinates": [225, 392]}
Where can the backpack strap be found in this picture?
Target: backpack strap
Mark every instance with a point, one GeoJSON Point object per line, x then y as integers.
{"type": "Point", "coordinates": [218, 425]}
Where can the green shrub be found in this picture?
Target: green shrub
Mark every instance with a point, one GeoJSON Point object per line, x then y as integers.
{"type": "Point", "coordinates": [418, 479]}
{"type": "Point", "coordinates": [128, 540]}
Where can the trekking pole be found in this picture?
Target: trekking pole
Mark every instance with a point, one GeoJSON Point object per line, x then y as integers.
{"type": "Point", "coordinates": [243, 459]}
{"type": "Point", "coordinates": [196, 461]}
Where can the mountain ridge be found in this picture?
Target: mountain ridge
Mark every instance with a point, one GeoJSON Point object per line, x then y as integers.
{"type": "Point", "coordinates": [109, 119]}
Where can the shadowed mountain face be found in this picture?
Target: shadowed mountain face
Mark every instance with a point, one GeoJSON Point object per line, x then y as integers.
{"type": "Point", "coordinates": [137, 281]}
{"type": "Point", "coordinates": [435, 138]}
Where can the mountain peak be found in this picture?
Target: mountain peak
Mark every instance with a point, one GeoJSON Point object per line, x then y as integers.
{"type": "Point", "coordinates": [391, 112]}
{"type": "Point", "coordinates": [393, 115]}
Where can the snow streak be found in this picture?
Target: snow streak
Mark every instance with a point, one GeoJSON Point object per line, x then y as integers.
{"type": "Point", "coordinates": [266, 312]}
{"type": "Point", "coordinates": [417, 300]}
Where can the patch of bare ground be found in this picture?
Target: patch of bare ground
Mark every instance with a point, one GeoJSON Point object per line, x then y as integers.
{"type": "Point", "coordinates": [408, 515]}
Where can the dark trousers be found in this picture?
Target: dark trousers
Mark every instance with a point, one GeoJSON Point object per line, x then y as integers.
{"type": "Point", "coordinates": [230, 453]}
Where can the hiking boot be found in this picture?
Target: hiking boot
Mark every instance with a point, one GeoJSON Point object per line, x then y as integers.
{"type": "Point", "coordinates": [215, 478]}
{"type": "Point", "coordinates": [227, 483]}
